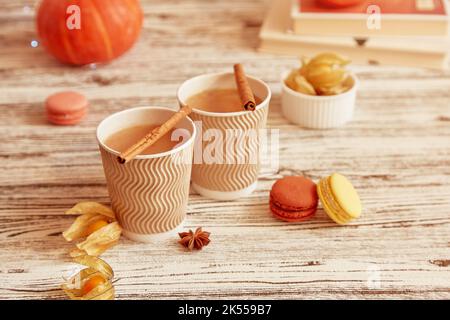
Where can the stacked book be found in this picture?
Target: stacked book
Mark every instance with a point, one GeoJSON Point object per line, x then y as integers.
{"type": "Point", "coordinates": [406, 32]}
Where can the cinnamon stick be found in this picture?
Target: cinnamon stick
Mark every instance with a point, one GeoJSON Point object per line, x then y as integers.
{"type": "Point", "coordinates": [245, 92]}
{"type": "Point", "coordinates": [153, 136]}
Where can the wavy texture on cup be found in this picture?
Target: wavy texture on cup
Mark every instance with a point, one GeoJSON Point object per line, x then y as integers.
{"type": "Point", "coordinates": [230, 177]}
{"type": "Point", "coordinates": [227, 181]}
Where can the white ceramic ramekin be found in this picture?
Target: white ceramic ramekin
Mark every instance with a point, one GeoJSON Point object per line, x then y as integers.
{"type": "Point", "coordinates": [318, 112]}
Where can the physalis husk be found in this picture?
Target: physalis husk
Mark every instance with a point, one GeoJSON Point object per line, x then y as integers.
{"type": "Point", "coordinates": [325, 74]}
{"type": "Point", "coordinates": [98, 227]}
{"type": "Point", "coordinates": [91, 283]}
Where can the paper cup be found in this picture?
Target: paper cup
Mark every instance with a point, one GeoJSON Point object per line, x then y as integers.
{"type": "Point", "coordinates": [150, 193]}
{"type": "Point", "coordinates": [224, 180]}
{"type": "Point", "coordinates": [318, 112]}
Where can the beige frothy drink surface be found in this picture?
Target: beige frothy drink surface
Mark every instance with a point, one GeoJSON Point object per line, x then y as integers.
{"type": "Point", "coordinates": [218, 100]}
{"type": "Point", "coordinates": [125, 138]}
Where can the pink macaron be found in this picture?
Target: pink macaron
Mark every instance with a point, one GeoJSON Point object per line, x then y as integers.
{"type": "Point", "coordinates": [66, 108]}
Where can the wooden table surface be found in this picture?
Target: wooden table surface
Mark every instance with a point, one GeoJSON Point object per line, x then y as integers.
{"type": "Point", "coordinates": [396, 151]}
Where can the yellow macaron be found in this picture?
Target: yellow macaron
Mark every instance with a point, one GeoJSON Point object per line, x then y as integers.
{"type": "Point", "coordinates": [339, 198]}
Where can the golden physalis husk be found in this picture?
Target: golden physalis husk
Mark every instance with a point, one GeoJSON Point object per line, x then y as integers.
{"type": "Point", "coordinates": [297, 82]}
{"type": "Point", "coordinates": [97, 224]}
{"type": "Point", "coordinates": [325, 74]}
{"type": "Point", "coordinates": [96, 268]}
{"type": "Point", "coordinates": [91, 207]}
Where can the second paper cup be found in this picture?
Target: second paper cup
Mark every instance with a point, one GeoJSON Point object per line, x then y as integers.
{"type": "Point", "coordinates": [221, 179]}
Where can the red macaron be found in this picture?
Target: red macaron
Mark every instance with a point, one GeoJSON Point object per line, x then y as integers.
{"type": "Point", "coordinates": [294, 199]}
{"type": "Point", "coordinates": [66, 108]}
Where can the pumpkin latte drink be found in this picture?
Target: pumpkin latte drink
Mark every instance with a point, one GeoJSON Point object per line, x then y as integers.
{"type": "Point", "coordinates": [149, 193]}
{"type": "Point", "coordinates": [226, 156]}
{"type": "Point", "coordinates": [124, 138]}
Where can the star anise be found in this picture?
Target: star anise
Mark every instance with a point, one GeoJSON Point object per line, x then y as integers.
{"type": "Point", "coordinates": [194, 240]}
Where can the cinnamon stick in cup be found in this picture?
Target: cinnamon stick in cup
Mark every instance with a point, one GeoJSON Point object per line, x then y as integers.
{"type": "Point", "coordinates": [245, 92]}
{"type": "Point", "coordinates": [153, 136]}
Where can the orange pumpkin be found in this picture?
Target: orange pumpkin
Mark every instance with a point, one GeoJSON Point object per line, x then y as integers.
{"type": "Point", "coordinates": [81, 32]}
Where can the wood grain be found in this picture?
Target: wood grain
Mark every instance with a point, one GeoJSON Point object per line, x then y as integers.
{"type": "Point", "coordinates": [396, 151]}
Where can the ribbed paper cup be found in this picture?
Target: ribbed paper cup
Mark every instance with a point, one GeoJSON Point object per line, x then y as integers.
{"type": "Point", "coordinates": [318, 112]}
{"type": "Point", "coordinates": [223, 181]}
{"type": "Point", "coordinates": [150, 193]}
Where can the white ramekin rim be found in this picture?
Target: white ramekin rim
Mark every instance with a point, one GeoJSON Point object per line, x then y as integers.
{"type": "Point", "coordinates": [316, 98]}
{"type": "Point", "coordinates": [262, 105]}
{"type": "Point", "coordinates": [147, 156]}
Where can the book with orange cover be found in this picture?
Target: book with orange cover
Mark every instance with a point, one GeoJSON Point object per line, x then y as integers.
{"type": "Point", "coordinates": [277, 37]}
{"type": "Point", "coordinates": [373, 18]}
